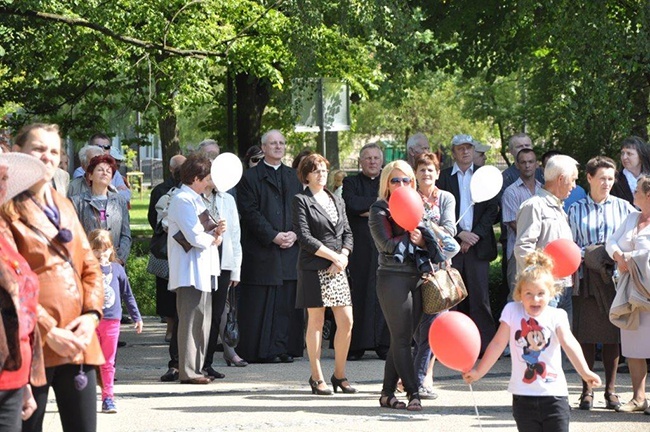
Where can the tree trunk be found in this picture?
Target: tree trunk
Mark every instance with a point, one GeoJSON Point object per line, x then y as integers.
{"type": "Point", "coordinates": [253, 95]}
{"type": "Point", "coordinates": [169, 140]}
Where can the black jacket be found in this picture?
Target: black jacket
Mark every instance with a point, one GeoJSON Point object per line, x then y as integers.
{"type": "Point", "coordinates": [314, 228]}
{"type": "Point", "coordinates": [621, 188]}
{"type": "Point", "coordinates": [485, 215]}
{"type": "Point", "coordinates": [265, 210]}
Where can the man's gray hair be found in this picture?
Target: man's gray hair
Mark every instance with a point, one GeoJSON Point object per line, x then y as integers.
{"type": "Point", "coordinates": [87, 152]}
{"type": "Point", "coordinates": [415, 139]}
{"type": "Point", "coordinates": [266, 135]}
{"type": "Point", "coordinates": [372, 145]}
{"type": "Point", "coordinates": [511, 141]}
{"type": "Point", "coordinates": [207, 142]}
{"type": "Point", "coordinates": [559, 165]}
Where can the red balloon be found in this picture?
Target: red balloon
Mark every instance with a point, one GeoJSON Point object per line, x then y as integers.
{"type": "Point", "coordinates": [565, 255]}
{"type": "Point", "coordinates": [455, 340]}
{"type": "Point", "coordinates": [406, 207]}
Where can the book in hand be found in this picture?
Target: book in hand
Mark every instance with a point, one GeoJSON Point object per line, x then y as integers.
{"type": "Point", "coordinates": [209, 225]}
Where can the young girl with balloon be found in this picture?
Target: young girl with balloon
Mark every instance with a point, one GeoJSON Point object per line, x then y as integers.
{"type": "Point", "coordinates": [536, 333]}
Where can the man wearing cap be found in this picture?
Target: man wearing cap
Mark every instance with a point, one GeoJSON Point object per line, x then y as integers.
{"type": "Point", "coordinates": [475, 236]}
{"type": "Point", "coordinates": [104, 142]}
{"type": "Point", "coordinates": [479, 153]}
{"type": "Point", "coordinates": [415, 146]}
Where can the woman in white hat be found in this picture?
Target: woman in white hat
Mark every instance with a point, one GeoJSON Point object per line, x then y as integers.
{"type": "Point", "coordinates": [21, 356]}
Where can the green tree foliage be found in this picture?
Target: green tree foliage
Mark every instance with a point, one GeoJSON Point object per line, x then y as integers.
{"type": "Point", "coordinates": [72, 62]}
{"type": "Point", "coordinates": [581, 66]}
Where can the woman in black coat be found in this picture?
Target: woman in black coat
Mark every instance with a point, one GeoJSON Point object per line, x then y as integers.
{"type": "Point", "coordinates": [325, 241]}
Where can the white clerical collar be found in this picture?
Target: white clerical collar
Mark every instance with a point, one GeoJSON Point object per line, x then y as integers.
{"type": "Point", "coordinates": [275, 167]}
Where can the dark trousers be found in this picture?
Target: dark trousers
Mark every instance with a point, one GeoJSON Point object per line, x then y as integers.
{"type": "Point", "coordinates": [541, 413]}
{"type": "Point", "coordinates": [401, 301]}
{"type": "Point", "coordinates": [218, 304]}
{"type": "Point", "coordinates": [165, 299]}
{"type": "Point", "coordinates": [77, 408]}
{"type": "Point", "coordinates": [422, 349]}
{"type": "Point", "coordinates": [11, 406]}
{"type": "Point", "coordinates": [475, 273]}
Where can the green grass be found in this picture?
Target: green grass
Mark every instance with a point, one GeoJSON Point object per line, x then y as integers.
{"type": "Point", "coordinates": [139, 208]}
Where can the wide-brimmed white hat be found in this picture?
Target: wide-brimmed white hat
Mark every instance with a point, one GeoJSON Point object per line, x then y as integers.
{"type": "Point", "coordinates": [24, 171]}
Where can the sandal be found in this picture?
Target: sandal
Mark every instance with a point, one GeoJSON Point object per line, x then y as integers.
{"type": "Point", "coordinates": [390, 401]}
{"type": "Point", "coordinates": [612, 401]}
{"type": "Point", "coordinates": [414, 403]}
{"type": "Point", "coordinates": [586, 401]}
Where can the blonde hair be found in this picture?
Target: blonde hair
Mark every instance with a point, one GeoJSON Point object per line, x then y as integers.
{"type": "Point", "coordinates": [384, 191]}
{"type": "Point", "coordinates": [538, 269]}
{"type": "Point", "coordinates": [100, 240]}
{"type": "Point", "coordinates": [336, 178]}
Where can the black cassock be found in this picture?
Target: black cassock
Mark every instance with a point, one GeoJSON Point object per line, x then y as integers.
{"type": "Point", "coordinates": [369, 331]}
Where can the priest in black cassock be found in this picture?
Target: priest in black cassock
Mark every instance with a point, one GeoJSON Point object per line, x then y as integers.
{"type": "Point", "coordinates": [359, 192]}
{"type": "Point", "coordinates": [271, 328]}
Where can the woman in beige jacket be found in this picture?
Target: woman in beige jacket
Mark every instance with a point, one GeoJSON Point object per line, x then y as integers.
{"type": "Point", "coordinates": [48, 234]}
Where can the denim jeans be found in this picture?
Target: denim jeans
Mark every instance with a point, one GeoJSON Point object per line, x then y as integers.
{"type": "Point", "coordinates": [541, 413]}
{"type": "Point", "coordinates": [422, 349]}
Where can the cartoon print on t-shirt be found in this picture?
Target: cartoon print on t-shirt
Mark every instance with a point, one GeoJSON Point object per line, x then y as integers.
{"type": "Point", "coordinates": [534, 341]}
{"type": "Point", "coordinates": [109, 292]}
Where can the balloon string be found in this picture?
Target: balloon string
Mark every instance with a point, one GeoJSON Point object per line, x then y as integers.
{"type": "Point", "coordinates": [464, 213]}
{"type": "Point", "coordinates": [478, 417]}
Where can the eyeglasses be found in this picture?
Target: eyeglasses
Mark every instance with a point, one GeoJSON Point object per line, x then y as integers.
{"type": "Point", "coordinates": [256, 159]}
{"type": "Point", "coordinates": [405, 180]}
{"type": "Point", "coordinates": [105, 147]}
{"type": "Point", "coordinates": [317, 172]}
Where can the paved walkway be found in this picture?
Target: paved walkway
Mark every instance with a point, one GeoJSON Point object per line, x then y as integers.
{"type": "Point", "coordinates": [276, 397]}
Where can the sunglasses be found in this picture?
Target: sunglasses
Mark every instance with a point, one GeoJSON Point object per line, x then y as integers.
{"type": "Point", "coordinates": [256, 159]}
{"type": "Point", "coordinates": [105, 147]}
{"type": "Point", "coordinates": [405, 180]}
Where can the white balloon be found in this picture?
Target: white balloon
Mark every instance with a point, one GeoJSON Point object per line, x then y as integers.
{"type": "Point", "coordinates": [486, 183]}
{"type": "Point", "coordinates": [226, 171]}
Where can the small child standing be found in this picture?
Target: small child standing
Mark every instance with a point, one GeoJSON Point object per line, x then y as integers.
{"type": "Point", "coordinates": [116, 289]}
{"type": "Point", "coordinates": [536, 333]}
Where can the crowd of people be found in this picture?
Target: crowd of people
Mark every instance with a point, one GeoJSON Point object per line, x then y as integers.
{"type": "Point", "coordinates": [299, 252]}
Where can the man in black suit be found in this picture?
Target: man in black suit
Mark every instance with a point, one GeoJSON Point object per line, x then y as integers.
{"type": "Point", "coordinates": [370, 331]}
{"type": "Point", "coordinates": [475, 235]}
{"type": "Point", "coordinates": [271, 328]}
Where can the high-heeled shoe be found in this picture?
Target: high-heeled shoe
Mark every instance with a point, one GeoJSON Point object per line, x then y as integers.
{"type": "Point", "coordinates": [338, 383]}
{"type": "Point", "coordinates": [315, 390]}
{"type": "Point", "coordinates": [238, 363]}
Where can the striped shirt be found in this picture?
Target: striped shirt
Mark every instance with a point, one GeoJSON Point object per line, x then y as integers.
{"type": "Point", "coordinates": [592, 223]}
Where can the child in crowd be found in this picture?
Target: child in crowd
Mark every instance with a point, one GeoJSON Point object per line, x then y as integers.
{"type": "Point", "coordinates": [535, 333]}
{"type": "Point", "coordinates": [116, 289]}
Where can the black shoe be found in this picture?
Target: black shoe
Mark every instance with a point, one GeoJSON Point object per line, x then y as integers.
{"type": "Point", "coordinates": [338, 383]}
{"type": "Point", "coordinates": [211, 373]}
{"type": "Point", "coordinates": [170, 376]}
{"type": "Point", "coordinates": [586, 401]}
{"type": "Point", "coordinates": [121, 344]}
{"type": "Point", "coordinates": [274, 359]}
{"type": "Point", "coordinates": [126, 320]}
{"type": "Point", "coordinates": [285, 358]}
{"type": "Point", "coordinates": [315, 390]}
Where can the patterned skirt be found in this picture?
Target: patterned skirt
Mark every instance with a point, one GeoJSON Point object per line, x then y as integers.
{"type": "Point", "coordinates": [322, 289]}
